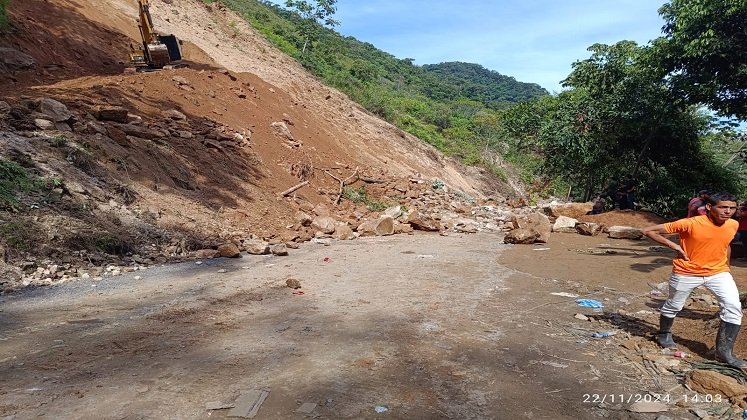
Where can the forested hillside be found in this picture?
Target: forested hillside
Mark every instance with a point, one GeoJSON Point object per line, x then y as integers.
{"type": "Point", "coordinates": [487, 86]}
{"type": "Point", "coordinates": [628, 109]}
{"type": "Point", "coordinates": [454, 112]}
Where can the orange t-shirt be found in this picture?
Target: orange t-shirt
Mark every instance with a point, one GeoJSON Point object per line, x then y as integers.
{"type": "Point", "coordinates": [704, 243]}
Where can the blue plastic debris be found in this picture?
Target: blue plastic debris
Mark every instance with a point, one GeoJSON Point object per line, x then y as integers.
{"type": "Point", "coordinates": [381, 409]}
{"type": "Point", "coordinates": [603, 334]}
{"type": "Point", "coordinates": [589, 303]}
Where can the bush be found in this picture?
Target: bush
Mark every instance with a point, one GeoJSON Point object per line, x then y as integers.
{"type": "Point", "coordinates": [14, 179]}
{"type": "Point", "coordinates": [3, 14]}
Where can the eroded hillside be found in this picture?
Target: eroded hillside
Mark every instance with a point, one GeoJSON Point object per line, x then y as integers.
{"type": "Point", "coordinates": [137, 168]}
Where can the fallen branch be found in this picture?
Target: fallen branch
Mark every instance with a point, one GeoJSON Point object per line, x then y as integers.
{"type": "Point", "coordinates": [372, 180]}
{"type": "Point", "coordinates": [293, 188]}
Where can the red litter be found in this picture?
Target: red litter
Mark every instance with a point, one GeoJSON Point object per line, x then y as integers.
{"type": "Point", "coordinates": [297, 292]}
{"type": "Point", "coordinates": [325, 259]}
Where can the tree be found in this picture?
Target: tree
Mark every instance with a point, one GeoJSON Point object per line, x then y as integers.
{"type": "Point", "coordinates": [313, 13]}
{"type": "Point", "coordinates": [704, 52]}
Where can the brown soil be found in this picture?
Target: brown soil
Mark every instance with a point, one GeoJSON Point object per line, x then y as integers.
{"type": "Point", "coordinates": [458, 334]}
{"type": "Point", "coordinates": [429, 326]}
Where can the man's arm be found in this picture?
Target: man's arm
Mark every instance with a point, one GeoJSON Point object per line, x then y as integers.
{"type": "Point", "coordinates": [655, 233]}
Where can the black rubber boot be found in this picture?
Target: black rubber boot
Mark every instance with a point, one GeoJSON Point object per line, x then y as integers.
{"type": "Point", "coordinates": [727, 335]}
{"type": "Point", "coordinates": [665, 332]}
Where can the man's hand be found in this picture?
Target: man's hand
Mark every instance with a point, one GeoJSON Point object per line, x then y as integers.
{"type": "Point", "coordinates": [680, 253]}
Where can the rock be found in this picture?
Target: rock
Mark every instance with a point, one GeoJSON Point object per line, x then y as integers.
{"type": "Point", "coordinates": [394, 212]}
{"type": "Point", "coordinates": [282, 129]}
{"type": "Point", "coordinates": [293, 283]}
{"type": "Point", "coordinates": [537, 222]}
{"type": "Point", "coordinates": [279, 250]}
{"type": "Point", "coordinates": [320, 210]}
{"type": "Point", "coordinates": [4, 108]}
{"type": "Point", "coordinates": [521, 236]}
{"type": "Point", "coordinates": [343, 232]}
{"type": "Point", "coordinates": [180, 80]}
{"type": "Point", "coordinates": [324, 224]}
{"type": "Point", "coordinates": [256, 247]}
{"type": "Point", "coordinates": [588, 229]}
{"type": "Point", "coordinates": [711, 383]}
{"type": "Point", "coordinates": [139, 131]}
{"type": "Point", "coordinates": [382, 226]}
{"type": "Point", "coordinates": [567, 209]}
{"type": "Point", "coordinates": [115, 114]}
{"type": "Point", "coordinates": [403, 228]}
{"type": "Point", "coordinates": [43, 124]}
{"type": "Point", "coordinates": [624, 232]}
{"type": "Point", "coordinates": [175, 115]}
{"type": "Point", "coordinates": [14, 60]}
{"type": "Point", "coordinates": [420, 221]}
{"type": "Point", "coordinates": [206, 253]}
{"type": "Point", "coordinates": [119, 136]}
{"type": "Point", "coordinates": [229, 250]}
{"type": "Point", "coordinates": [564, 224]}
{"type": "Point", "coordinates": [303, 218]}
{"type": "Point", "coordinates": [55, 110]}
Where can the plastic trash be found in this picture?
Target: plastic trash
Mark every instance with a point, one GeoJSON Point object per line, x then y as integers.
{"type": "Point", "coordinates": [381, 409]}
{"type": "Point", "coordinates": [589, 303]}
{"type": "Point", "coordinates": [325, 259]}
{"type": "Point", "coordinates": [603, 334]}
{"type": "Point", "coordinates": [675, 353]}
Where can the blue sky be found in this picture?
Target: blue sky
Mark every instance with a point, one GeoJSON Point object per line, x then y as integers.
{"type": "Point", "coordinates": [531, 40]}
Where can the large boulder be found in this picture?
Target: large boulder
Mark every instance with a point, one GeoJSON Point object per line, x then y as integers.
{"type": "Point", "coordinates": [256, 247]}
{"type": "Point", "coordinates": [624, 232]}
{"type": "Point", "coordinates": [324, 224]}
{"type": "Point", "coordinates": [419, 221]}
{"type": "Point", "coordinates": [54, 110]}
{"type": "Point", "coordinates": [14, 60]}
{"type": "Point", "coordinates": [115, 114]}
{"type": "Point", "coordinates": [343, 232]}
{"type": "Point", "coordinates": [708, 382]}
{"type": "Point", "coordinates": [588, 229]}
{"type": "Point", "coordinates": [521, 236]}
{"type": "Point", "coordinates": [567, 209]}
{"type": "Point", "coordinates": [382, 226]}
{"type": "Point", "coordinates": [537, 222]}
{"type": "Point", "coordinates": [564, 224]}
{"type": "Point", "coordinates": [229, 250]}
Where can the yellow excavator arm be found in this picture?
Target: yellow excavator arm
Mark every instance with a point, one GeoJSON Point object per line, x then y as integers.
{"type": "Point", "coordinates": [156, 50]}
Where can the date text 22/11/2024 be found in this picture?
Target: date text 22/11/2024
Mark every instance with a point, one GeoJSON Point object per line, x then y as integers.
{"type": "Point", "coordinates": [664, 398]}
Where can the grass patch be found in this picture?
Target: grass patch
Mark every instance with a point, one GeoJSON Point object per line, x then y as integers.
{"type": "Point", "coordinates": [14, 179]}
{"type": "Point", "coordinates": [359, 195]}
{"type": "Point", "coordinates": [3, 15]}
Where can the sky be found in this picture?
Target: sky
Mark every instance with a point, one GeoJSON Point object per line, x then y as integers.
{"type": "Point", "coordinates": [533, 41]}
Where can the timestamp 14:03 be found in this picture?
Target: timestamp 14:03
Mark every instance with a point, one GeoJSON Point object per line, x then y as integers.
{"type": "Point", "coordinates": [664, 398]}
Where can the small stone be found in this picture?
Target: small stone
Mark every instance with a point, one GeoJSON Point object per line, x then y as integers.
{"type": "Point", "coordinates": [582, 317]}
{"type": "Point", "coordinates": [293, 283]}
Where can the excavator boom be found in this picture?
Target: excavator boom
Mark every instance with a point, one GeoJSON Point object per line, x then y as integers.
{"type": "Point", "coordinates": [157, 51]}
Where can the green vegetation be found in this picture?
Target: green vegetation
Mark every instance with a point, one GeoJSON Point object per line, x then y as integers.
{"type": "Point", "coordinates": [359, 195]}
{"type": "Point", "coordinates": [3, 15]}
{"type": "Point", "coordinates": [627, 109]}
{"type": "Point", "coordinates": [452, 106]}
{"type": "Point", "coordinates": [15, 179]}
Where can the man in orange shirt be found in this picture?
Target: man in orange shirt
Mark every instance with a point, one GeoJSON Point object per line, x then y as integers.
{"type": "Point", "coordinates": [703, 260]}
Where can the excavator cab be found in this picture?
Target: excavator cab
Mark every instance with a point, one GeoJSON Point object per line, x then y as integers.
{"type": "Point", "coordinates": [157, 51]}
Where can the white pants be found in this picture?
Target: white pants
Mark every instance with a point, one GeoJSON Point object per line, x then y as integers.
{"type": "Point", "coordinates": [721, 285]}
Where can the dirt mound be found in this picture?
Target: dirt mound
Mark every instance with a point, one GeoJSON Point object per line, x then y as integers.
{"type": "Point", "coordinates": [637, 219]}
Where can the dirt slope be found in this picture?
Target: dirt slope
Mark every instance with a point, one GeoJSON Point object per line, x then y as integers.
{"type": "Point", "coordinates": [202, 152]}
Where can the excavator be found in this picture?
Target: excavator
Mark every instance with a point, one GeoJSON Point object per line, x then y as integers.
{"type": "Point", "coordinates": [157, 51]}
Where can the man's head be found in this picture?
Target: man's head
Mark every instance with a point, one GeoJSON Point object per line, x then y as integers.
{"type": "Point", "coordinates": [704, 194]}
{"type": "Point", "coordinates": [721, 206]}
